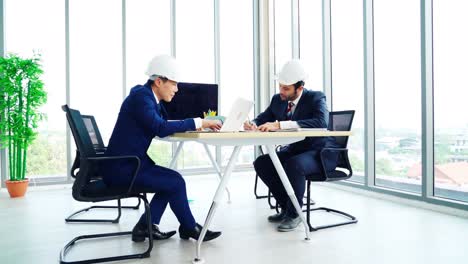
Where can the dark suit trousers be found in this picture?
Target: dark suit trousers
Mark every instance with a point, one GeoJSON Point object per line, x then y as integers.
{"type": "Point", "coordinates": [296, 166]}
{"type": "Point", "coordinates": [168, 187]}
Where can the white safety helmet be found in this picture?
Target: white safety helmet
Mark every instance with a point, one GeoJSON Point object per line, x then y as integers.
{"type": "Point", "coordinates": [291, 73]}
{"type": "Point", "coordinates": [164, 66]}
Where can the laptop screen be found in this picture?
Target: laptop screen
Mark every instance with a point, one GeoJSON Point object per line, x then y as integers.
{"type": "Point", "coordinates": [239, 111]}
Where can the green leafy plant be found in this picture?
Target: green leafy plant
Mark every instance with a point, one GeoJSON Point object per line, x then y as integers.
{"type": "Point", "coordinates": [21, 95]}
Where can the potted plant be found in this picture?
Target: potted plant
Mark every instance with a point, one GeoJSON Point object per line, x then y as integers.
{"type": "Point", "coordinates": [213, 116]}
{"type": "Point", "coordinates": [21, 95]}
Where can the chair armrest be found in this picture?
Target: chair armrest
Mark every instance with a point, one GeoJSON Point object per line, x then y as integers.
{"type": "Point", "coordinates": [335, 150]}
{"type": "Point", "coordinates": [135, 173]}
{"type": "Point", "coordinates": [100, 150]}
{"type": "Point", "coordinates": [76, 164]}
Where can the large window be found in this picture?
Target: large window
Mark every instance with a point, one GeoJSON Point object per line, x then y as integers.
{"type": "Point", "coordinates": [148, 35]}
{"type": "Point", "coordinates": [310, 25]}
{"type": "Point", "coordinates": [348, 74]}
{"type": "Point", "coordinates": [96, 61]}
{"type": "Point", "coordinates": [142, 45]}
{"type": "Point", "coordinates": [283, 36]}
{"type": "Point", "coordinates": [450, 95]}
{"type": "Point", "coordinates": [195, 39]}
{"type": "Point", "coordinates": [195, 52]}
{"type": "Point", "coordinates": [236, 54]}
{"type": "Point", "coordinates": [398, 94]}
{"type": "Point", "coordinates": [29, 30]}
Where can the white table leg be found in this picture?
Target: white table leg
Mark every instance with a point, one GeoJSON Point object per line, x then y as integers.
{"type": "Point", "coordinates": [218, 170]}
{"type": "Point", "coordinates": [287, 186]}
{"type": "Point", "coordinates": [176, 155]}
{"type": "Point", "coordinates": [218, 195]}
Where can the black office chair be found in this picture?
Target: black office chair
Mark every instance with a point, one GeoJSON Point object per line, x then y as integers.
{"type": "Point", "coordinates": [88, 188]}
{"type": "Point", "coordinates": [339, 121]}
{"type": "Point", "coordinates": [100, 148]}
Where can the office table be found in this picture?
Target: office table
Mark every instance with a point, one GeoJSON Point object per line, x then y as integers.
{"type": "Point", "coordinates": [239, 139]}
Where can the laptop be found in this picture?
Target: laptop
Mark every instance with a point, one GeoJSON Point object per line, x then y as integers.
{"type": "Point", "coordinates": [239, 111]}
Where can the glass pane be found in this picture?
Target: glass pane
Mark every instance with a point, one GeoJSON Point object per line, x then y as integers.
{"type": "Point", "coordinates": [96, 61]}
{"type": "Point", "coordinates": [195, 39]}
{"type": "Point", "coordinates": [236, 63]}
{"type": "Point", "coordinates": [310, 26]}
{"type": "Point", "coordinates": [195, 52]}
{"type": "Point", "coordinates": [161, 152]}
{"type": "Point", "coordinates": [28, 30]}
{"type": "Point", "coordinates": [348, 74]}
{"type": "Point", "coordinates": [141, 47]}
{"type": "Point", "coordinates": [283, 37]}
{"type": "Point", "coordinates": [398, 94]}
{"type": "Point", "coordinates": [450, 93]}
{"type": "Point", "coordinates": [193, 155]}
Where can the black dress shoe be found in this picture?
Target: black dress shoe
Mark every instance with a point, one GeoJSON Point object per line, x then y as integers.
{"type": "Point", "coordinates": [289, 224]}
{"type": "Point", "coordinates": [140, 232]}
{"type": "Point", "coordinates": [277, 218]}
{"type": "Point", "coordinates": [195, 233]}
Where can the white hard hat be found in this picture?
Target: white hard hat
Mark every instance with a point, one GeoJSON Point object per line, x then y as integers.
{"type": "Point", "coordinates": [165, 66]}
{"type": "Point", "coordinates": [291, 73]}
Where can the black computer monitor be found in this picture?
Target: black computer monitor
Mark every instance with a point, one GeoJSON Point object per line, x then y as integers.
{"type": "Point", "coordinates": [192, 100]}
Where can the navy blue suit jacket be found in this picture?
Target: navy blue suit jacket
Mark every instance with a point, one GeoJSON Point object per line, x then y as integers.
{"type": "Point", "coordinates": [139, 121]}
{"type": "Point", "coordinates": [311, 112]}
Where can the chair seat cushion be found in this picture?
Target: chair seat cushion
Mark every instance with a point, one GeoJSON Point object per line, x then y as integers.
{"type": "Point", "coordinates": [98, 189]}
{"type": "Point", "coordinates": [335, 175]}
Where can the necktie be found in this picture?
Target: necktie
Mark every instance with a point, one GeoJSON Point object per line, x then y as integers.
{"type": "Point", "coordinates": [289, 111]}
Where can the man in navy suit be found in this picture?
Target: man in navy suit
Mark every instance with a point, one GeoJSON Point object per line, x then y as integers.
{"type": "Point", "coordinates": [140, 119]}
{"type": "Point", "coordinates": [293, 107]}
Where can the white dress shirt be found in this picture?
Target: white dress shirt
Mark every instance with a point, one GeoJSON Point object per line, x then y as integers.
{"type": "Point", "coordinates": [291, 124]}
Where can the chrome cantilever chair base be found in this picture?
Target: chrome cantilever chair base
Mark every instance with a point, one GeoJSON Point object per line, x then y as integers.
{"type": "Point", "coordinates": [119, 207]}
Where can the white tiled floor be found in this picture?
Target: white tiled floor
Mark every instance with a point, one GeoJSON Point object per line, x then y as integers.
{"type": "Point", "coordinates": [32, 230]}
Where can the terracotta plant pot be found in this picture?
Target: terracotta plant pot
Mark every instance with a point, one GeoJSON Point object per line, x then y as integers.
{"type": "Point", "coordinates": [17, 188]}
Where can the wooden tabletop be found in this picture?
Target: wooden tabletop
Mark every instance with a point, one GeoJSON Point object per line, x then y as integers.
{"type": "Point", "coordinates": [221, 135]}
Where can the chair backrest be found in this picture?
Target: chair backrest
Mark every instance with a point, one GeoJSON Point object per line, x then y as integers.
{"type": "Point", "coordinates": [341, 121]}
{"type": "Point", "coordinates": [84, 144]}
{"type": "Point", "coordinates": [93, 131]}
{"type": "Point", "coordinates": [80, 132]}
{"type": "Point", "coordinates": [96, 139]}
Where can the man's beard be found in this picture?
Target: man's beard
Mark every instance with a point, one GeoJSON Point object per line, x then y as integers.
{"type": "Point", "coordinates": [291, 97]}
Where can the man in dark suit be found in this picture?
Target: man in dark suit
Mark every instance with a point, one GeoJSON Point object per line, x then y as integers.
{"type": "Point", "coordinates": [141, 118]}
{"type": "Point", "coordinates": [293, 107]}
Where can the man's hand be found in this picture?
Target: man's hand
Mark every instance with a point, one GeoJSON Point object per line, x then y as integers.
{"type": "Point", "coordinates": [269, 126]}
{"type": "Point", "coordinates": [212, 124]}
{"type": "Point", "coordinates": [249, 126]}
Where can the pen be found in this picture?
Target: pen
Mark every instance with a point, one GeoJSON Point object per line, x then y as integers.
{"type": "Point", "coordinates": [248, 120]}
